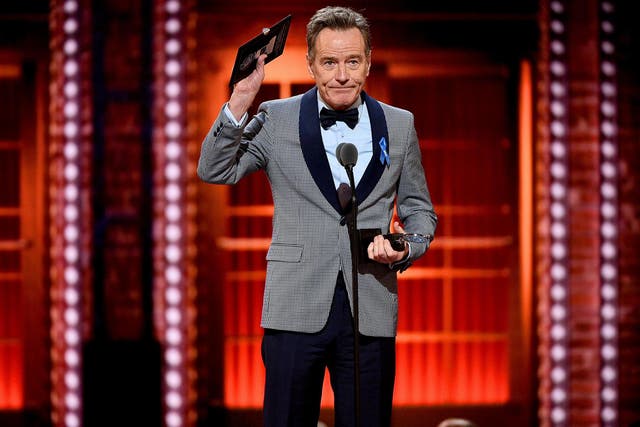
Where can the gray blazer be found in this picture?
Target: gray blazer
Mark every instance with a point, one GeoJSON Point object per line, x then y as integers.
{"type": "Point", "coordinates": [310, 243]}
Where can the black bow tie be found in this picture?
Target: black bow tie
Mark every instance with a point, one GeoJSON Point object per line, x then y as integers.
{"type": "Point", "coordinates": [329, 117]}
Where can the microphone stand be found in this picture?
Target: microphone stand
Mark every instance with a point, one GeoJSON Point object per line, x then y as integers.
{"type": "Point", "coordinates": [355, 254]}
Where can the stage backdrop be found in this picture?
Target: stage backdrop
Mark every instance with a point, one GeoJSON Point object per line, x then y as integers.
{"type": "Point", "coordinates": [461, 338]}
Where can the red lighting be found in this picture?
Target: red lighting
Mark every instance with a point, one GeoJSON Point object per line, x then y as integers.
{"type": "Point", "coordinates": [11, 371]}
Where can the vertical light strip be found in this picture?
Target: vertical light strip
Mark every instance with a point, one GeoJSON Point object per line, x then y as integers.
{"type": "Point", "coordinates": [559, 217]}
{"type": "Point", "coordinates": [525, 207]}
{"type": "Point", "coordinates": [608, 220]}
{"type": "Point", "coordinates": [173, 211]}
{"type": "Point", "coordinates": [70, 133]}
{"type": "Point", "coordinates": [541, 206]}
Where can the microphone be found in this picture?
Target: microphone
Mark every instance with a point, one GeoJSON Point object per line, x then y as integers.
{"type": "Point", "coordinates": [347, 154]}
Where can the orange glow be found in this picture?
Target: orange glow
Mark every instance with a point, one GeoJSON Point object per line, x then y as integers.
{"type": "Point", "coordinates": [526, 209]}
{"type": "Point", "coordinates": [9, 71]}
{"type": "Point", "coordinates": [432, 368]}
{"type": "Point", "coordinates": [11, 370]}
{"type": "Point", "coordinates": [244, 374]}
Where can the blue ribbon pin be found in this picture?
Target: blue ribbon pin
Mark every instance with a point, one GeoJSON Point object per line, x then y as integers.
{"type": "Point", "coordinates": [384, 155]}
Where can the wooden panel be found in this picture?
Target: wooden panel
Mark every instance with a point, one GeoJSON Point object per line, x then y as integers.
{"type": "Point", "coordinates": [11, 310]}
{"type": "Point", "coordinates": [9, 176]}
{"type": "Point", "coordinates": [11, 101]}
{"type": "Point", "coordinates": [24, 326]}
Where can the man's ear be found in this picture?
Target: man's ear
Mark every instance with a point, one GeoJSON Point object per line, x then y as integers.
{"type": "Point", "coordinates": [309, 68]}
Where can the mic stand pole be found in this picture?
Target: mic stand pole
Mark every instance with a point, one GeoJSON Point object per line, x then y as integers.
{"type": "Point", "coordinates": [355, 254]}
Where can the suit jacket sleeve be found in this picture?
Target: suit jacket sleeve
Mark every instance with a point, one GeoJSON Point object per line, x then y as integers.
{"type": "Point", "coordinates": [225, 156]}
{"type": "Point", "coordinates": [414, 205]}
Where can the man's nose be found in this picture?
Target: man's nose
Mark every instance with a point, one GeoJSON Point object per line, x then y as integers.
{"type": "Point", "coordinates": [342, 73]}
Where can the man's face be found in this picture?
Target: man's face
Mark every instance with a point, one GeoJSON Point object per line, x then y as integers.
{"type": "Point", "coordinates": [340, 66]}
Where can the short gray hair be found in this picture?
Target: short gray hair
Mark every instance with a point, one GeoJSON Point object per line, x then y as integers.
{"type": "Point", "coordinates": [337, 18]}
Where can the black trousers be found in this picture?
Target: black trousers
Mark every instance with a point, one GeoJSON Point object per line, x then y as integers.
{"type": "Point", "coordinates": [295, 366]}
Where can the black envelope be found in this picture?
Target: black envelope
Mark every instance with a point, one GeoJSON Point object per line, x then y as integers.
{"type": "Point", "coordinates": [271, 41]}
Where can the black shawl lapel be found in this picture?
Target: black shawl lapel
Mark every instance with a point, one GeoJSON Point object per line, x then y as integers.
{"type": "Point", "coordinates": [313, 148]}
{"type": "Point", "coordinates": [316, 158]}
{"type": "Point", "coordinates": [378, 131]}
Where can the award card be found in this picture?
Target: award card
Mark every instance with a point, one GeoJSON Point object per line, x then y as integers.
{"type": "Point", "coordinates": [270, 42]}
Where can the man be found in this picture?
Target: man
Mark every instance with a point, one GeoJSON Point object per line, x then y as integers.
{"type": "Point", "coordinates": [307, 306]}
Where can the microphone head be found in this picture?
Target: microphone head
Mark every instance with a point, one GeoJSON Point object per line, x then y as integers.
{"type": "Point", "coordinates": [347, 154]}
{"type": "Point", "coordinates": [338, 150]}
